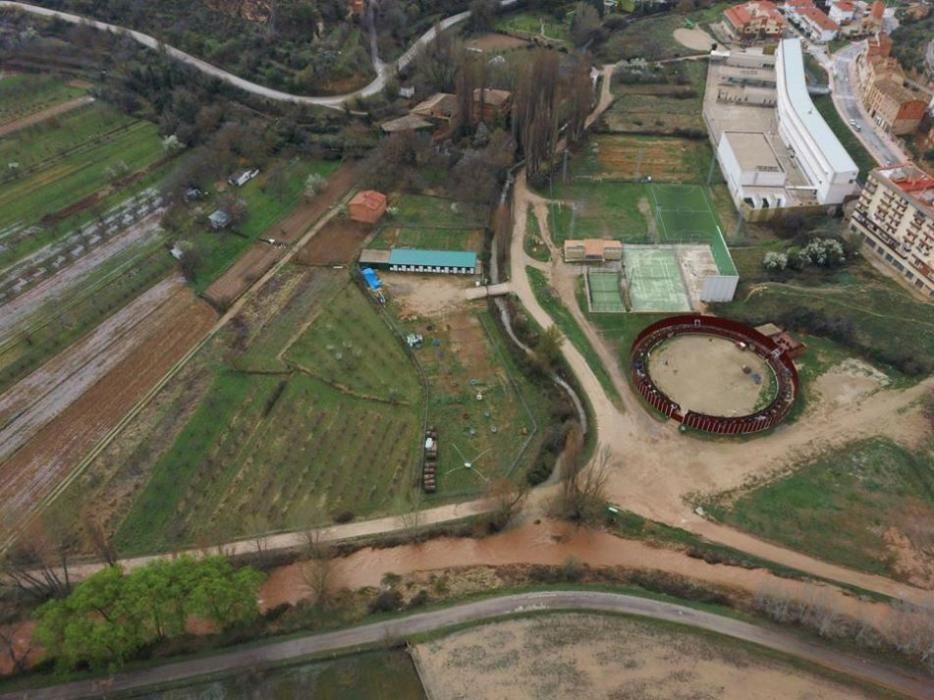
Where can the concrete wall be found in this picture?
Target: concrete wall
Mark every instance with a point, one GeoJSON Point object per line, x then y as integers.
{"type": "Point", "coordinates": [719, 288]}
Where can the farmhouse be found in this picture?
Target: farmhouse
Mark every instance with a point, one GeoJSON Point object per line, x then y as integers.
{"type": "Point", "coordinates": [592, 250]}
{"type": "Point", "coordinates": [367, 206]}
{"type": "Point", "coordinates": [442, 106]}
{"type": "Point", "coordinates": [753, 19]}
{"type": "Point", "coordinates": [420, 260]}
{"type": "Point", "coordinates": [495, 104]}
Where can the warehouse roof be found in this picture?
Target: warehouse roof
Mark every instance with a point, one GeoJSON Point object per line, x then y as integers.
{"type": "Point", "coordinates": [752, 151]}
{"type": "Point", "coordinates": [433, 258]}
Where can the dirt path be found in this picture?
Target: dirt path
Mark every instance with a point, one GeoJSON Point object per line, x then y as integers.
{"type": "Point", "coordinates": [863, 669]}
{"type": "Point", "coordinates": [657, 468]}
{"type": "Point", "coordinates": [41, 116]}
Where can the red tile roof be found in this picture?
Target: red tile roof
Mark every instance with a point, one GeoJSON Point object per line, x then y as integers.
{"type": "Point", "coordinates": [371, 199]}
{"type": "Point", "coordinates": [741, 15]}
{"type": "Point", "coordinates": [878, 8]}
{"type": "Point", "coordinates": [844, 5]}
{"type": "Point", "coordinates": [819, 18]}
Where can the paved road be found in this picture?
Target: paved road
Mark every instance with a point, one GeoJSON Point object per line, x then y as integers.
{"type": "Point", "coordinates": [859, 668]}
{"type": "Point", "coordinates": [846, 99]}
{"type": "Point", "coordinates": [383, 70]}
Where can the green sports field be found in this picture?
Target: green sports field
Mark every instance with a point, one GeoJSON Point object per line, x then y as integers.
{"type": "Point", "coordinates": [654, 280]}
{"type": "Point", "coordinates": [604, 292]}
{"type": "Point", "coordinates": [684, 215]}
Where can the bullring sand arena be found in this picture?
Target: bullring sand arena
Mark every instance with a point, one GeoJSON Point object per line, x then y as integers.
{"type": "Point", "coordinates": [711, 375]}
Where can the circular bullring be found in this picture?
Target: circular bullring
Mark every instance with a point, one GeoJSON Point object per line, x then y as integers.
{"type": "Point", "coordinates": [713, 374]}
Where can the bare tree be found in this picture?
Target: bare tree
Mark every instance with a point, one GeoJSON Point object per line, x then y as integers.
{"type": "Point", "coordinates": [583, 487]}
{"type": "Point", "coordinates": [8, 638]}
{"type": "Point", "coordinates": [507, 496]}
{"type": "Point", "coordinates": [37, 562]}
{"type": "Point", "coordinates": [536, 113]}
{"type": "Point", "coordinates": [98, 537]}
{"type": "Point", "coordinates": [317, 567]}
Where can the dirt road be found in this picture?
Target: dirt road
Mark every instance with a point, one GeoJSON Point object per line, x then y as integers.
{"type": "Point", "coordinates": [42, 115]}
{"type": "Point", "coordinates": [860, 668]}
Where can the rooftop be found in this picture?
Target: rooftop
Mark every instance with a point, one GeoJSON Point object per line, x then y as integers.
{"type": "Point", "coordinates": [753, 150]}
{"type": "Point", "coordinates": [739, 15]}
{"type": "Point", "coordinates": [793, 69]}
{"type": "Point", "coordinates": [410, 122]}
{"type": "Point", "coordinates": [440, 103]}
{"type": "Point", "coordinates": [594, 247]}
{"type": "Point", "coordinates": [371, 199]}
{"type": "Point", "coordinates": [493, 97]}
{"type": "Point", "coordinates": [877, 10]}
{"type": "Point", "coordinates": [913, 181]}
{"type": "Point", "coordinates": [817, 17]}
{"type": "Point", "coordinates": [432, 258]}
{"type": "Point", "coordinates": [844, 5]}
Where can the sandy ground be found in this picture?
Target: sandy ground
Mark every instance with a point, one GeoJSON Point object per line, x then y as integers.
{"type": "Point", "coordinates": [42, 463]}
{"type": "Point", "coordinates": [35, 400]}
{"type": "Point", "coordinates": [426, 295]}
{"type": "Point", "coordinates": [851, 380]}
{"type": "Point", "coordinates": [53, 111]}
{"type": "Point", "coordinates": [601, 656]}
{"type": "Point", "coordinates": [248, 268]}
{"type": "Point", "coordinates": [494, 43]}
{"type": "Point", "coordinates": [55, 286]}
{"type": "Point", "coordinates": [706, 374]}
{"type": "Point", "coordinates": [338, 243]}
{"type": "Point", "coordinates": [696, 39]}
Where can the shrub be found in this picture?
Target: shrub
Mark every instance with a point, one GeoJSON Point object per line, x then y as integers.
{"type": "Point", "coordinates": [386, 601]}
{"type": "Point", "coordinates": [775, 262]}
{"type": "Point", "coordinates": [345, 516]}
{"type": "Point", "coordinates": [419, 599]}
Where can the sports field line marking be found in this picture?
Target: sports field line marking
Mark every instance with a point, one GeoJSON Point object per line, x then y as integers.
{"type": "Point", "coordinates": [684, 211]}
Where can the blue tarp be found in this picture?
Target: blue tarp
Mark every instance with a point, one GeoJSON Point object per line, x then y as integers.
{"type": "Point", "coordinates": [369, 274]}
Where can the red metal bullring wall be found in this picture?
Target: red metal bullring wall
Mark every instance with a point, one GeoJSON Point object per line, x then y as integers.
{"type": "Point", "coordinates": [778, 360]}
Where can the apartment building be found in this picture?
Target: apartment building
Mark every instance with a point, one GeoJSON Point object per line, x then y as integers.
{"type": "Point", "coordinates": [895, 218]}
{"type": "Point", "coordinates": [759, 18]}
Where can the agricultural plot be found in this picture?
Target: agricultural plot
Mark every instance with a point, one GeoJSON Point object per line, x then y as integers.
{"type": "Point", "coordinates": [672, 105]}
{"type": "Point", "coordinates": [436, 223]}
{"type": "Point", "coordinates": [314, 409]}
{"type": "Point", "coordinates": [67, 167]}
{"type": "Point", "coordinates": [866, 506]}
{"type": "Point", "coordinates": [478, 401]}
{"type": "Point", "coordinates": [24, 95]}
{"type": "Point", "coordinates": [635, 158]}
{"type": "Point", "coordinates": [535, 24]}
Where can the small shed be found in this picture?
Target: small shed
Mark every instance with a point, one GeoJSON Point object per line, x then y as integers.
{"type": "Point", "coordinates": [219, 219]}
{"type": "Point", "coordinates": [367, 206]}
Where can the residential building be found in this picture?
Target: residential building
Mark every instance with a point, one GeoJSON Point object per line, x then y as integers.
{"type": "Point", "coordinates": [757, 18]}
{"type": "Point", "coordinates": [895, 218]}
{"type": "Point", "coordinates": [829, 169]}
{"type": "Point", "coordinates": [818, 26]}
{"type": "Point", "coordinates": [872, 21]}
{"type": "Point", "coordinates": [842, 11]}
{"type": "Point", "coordinates": [442, 106]}
{"type": "Point", "coordinates": [367, 206]}
{"type": "Point", "coordinates": [592, 250]}
{"type": "Point", "coordinates": [490, 104]}
{"type": "Point", "coordinates": [894, 103]}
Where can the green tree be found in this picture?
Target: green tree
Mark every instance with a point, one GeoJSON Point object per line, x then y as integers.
{"type": "Point", "coordinates": [548, 347]}
{"type": "Point", "coordinates": [222, 595]}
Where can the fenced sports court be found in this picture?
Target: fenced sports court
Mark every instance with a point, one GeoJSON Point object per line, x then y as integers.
{"type": "Point", "coordinates": [683, 214]}
{"type": "Point", "coordinates": [653, 278]}
{"type": "Point", "coordinates": [603, 292]}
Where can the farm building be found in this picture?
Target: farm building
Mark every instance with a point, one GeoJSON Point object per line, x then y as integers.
{"type": "Point", "coordinates": [410, 122]}
{"type": "Point", "coordinates": [367, 206]}
{"type": "Point", "coordinates": [420, 260]}
{"type": "Point", "coordinates": [491, 104]}
{"type": "Point", "coordinates": [440, 106]}
{"type": "Point", "coordinates": [219, 219]}
{"type": "Point", "coordinates": [592, 250]}
{"type": "Point", "coordinates": [241, 177]}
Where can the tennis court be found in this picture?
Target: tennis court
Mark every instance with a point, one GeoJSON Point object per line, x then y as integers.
{"type": "Point", "coordinates": [604, 292]}
{"type": "Point", "coordinates": [654, 279]}
{"type": "Point", "coordinates": [684, 215]}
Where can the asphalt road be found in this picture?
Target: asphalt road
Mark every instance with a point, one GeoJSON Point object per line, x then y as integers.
{"type": "Point", "coordinates": [856, 667]}
{"type": "Point", "coordinates": [847, 102]}
{"type": "Point", "coordinates": [334, 101]}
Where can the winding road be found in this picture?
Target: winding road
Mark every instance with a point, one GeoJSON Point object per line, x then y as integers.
{"type": "Point", "coordinates": [856, 667]}
{"type": "Point", "coordinates": [383, 70]}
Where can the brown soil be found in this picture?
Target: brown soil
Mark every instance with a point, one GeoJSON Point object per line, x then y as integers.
{"type": "Point", "coordinates": [469, 343]}
{"type": "Point", "coordinates": [239, 276]}
{"type": "Point", "coordinates": [706, 374]}
{"type": "Point", "coordinates": [42, 463]}
{"type": "Point", "coordinates": [426, 295]}
{"type": "Point", "coordinates": [494, 42]}
{"type": "Point", "coordinates": [237, 279]}
{"type": "Point", "coordinates": [42, 115]}
{"type": "Point", "coordinates": [601, 656]}
{"type": "Point", "coordinates": [26, 649]}
{"type": "Point", "coordinates": [337, 243]}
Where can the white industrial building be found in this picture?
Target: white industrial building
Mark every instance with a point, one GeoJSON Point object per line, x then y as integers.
{"type": "Point", "coordinates": [752, 170]}
{"type": "Point", "coordinates": [821, 157]}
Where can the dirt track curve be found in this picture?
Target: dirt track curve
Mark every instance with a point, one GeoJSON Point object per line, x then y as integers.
{"type": "Point", "coordinates": [860, 668]}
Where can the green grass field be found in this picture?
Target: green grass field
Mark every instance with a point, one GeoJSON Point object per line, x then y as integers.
{"type": "Point", "coordinates": [435, 223]}
{"type": "Point", "coordinates": [839, 506]}
{"type": "Point", "coordinates": [265, 208]}
{"type": "Point", "coordinates": [570, 329]}
{"type": "Point", "coordinates": [273, 445]}
{"type": "Point", "coordinates": [539, 24]}
{"type": "Point", "coordinates": [533, 244]}
{"type": "Point", "coordinates": [364, 676]}
{"type": "Point", "coordinates": [604, 210]}
{"type": "Point", "coordinates": [685, 214]}
{"type": "Point", "coordinates": [662, 107]}
{"type": "Point", "coordinates": [23, 95]}
{"type": "Point", "coordinates": [652, 39]}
